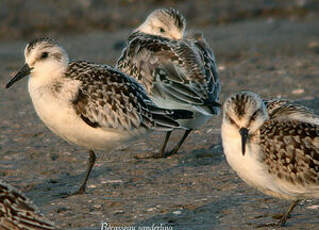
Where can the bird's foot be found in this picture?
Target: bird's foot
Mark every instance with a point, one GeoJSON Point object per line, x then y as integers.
{"type": "Point", "coordinates": [80, 191]}
{"type": "Point", "coordinates": [153, 156]}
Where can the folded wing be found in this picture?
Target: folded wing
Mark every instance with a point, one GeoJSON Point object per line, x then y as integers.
{"type": "Point", "coordinates": [170, 69]}
{"type": "Point", "coordinates": [291, 150]}
{"type": "Point", "coordinates": [109, 99]}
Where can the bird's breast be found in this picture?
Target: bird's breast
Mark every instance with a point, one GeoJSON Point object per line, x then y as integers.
{"type": "Point", "coordinates": [58, 114]}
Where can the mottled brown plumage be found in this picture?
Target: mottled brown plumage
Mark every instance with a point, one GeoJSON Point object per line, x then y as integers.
{"type": "Point", "coordinates": [284, 108]}
{"type": "Point", "coordinates": [208, 59]}
{"type": "Point", "coordinates": [109, 99]}
{"type": "Point", "coordinates": [17, 212]}
{"type": "Point", "coordinates": [291, 151]}
{"type": "Point", "coordinates": [90, 105]}
{"type": "Point", "coordinates": [275, 103]}
{"type": "Point", "coordinates": [177, 71]}
{"type": "Point", "coordinates": [282, 146]}
{"type": "Point", "coordinates": [171, 69]}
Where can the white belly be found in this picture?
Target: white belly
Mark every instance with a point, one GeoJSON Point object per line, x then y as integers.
{"type": "Point", "coordinates": [252, 171]}
{"type": "Point", "coordinates": [60, 118]}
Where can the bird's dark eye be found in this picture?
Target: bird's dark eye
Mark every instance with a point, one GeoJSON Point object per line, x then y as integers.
{"type": "Point", "coordinates": [162, 30]}
{"type": "Point", "coordinates": [44, 55]}
{"type": "Point", "coordinates": [254, 116]}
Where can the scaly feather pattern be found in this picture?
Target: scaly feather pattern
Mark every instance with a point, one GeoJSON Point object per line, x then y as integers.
{"type": "Point", "coordinates": [17, 212]}
{"type": "Point", "coordinates": [170, 69]}
{"type": "Point", "coordinates": [109, 99]}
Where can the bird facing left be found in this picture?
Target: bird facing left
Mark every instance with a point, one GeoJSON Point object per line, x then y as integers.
{"type": "Point", "coordinates": [90, 105]}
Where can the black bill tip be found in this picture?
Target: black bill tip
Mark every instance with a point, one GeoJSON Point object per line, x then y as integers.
{"type": "Point", "coordinates": [24, 71]}
{"type": "Point", "coordinates": [244, 136]}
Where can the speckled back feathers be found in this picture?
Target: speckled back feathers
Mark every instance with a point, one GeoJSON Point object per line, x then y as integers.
{"type": "Point", "coordinates": [291, 150]}
{"type": "Point", "coordinates": [108, 98]}
{"type": "Point", "coordinates": [170, 68]}
{"type": "Point", "coordinates": [18, 213]}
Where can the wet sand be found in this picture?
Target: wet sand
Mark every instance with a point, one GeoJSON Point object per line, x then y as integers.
{"type": "Point", "coordinates": [195, 189]}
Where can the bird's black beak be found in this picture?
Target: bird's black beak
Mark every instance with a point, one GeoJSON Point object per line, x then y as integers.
{"type": "Point", "coordinates": [244, 136]}
{"type": "Point", "coordinates": [24, 71]}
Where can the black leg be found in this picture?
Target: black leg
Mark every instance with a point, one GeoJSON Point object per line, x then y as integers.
{"type": "Point", "coordinates": [91, 162]}
{"type": "Point", "coordinates": [162, 152]}
{"type": "Point", "coordinates": [284, 218]}
{"type": "Point", "coordinates": [176, 148]}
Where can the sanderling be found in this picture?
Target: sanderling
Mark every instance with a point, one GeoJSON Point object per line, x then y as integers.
{"type": "Point", "coordinates": [176, 72]}
{"type": "Point", "coordinates": [276, 151]}
{"type": "Point", "coordinates": [90, 105]}
{"type": "Point", "coordinates": [278, 106]}
{"type": "Point", "coordinates": [17, 212]}
{"type": "Point", "coordinates": [168, 23]}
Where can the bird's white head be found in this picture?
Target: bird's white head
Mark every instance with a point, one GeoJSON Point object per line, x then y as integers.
{"type": "Point", "coordinates": [168, 23]}
{"type": "Point", "coordinates": [43, 59]}
{"type": "Point", "coordinates": [246, 113]}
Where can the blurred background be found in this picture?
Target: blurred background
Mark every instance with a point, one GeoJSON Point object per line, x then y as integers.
{"type": "Point", "coordinates": [270, 47]}
{"type": "Point", "coordinates": [27, 19]}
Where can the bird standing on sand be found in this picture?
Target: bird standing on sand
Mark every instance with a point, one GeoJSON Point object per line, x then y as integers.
{"type": "Point", "coordinates": [176, 72]}
{"type": "Point", "coordinates": [274, 149]}
{"type": "Point", "coordinates": [17, 212]}
{"type": "Point", "coordinates": [90, 105]}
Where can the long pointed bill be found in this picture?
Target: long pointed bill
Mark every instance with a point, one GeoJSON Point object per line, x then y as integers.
{"type": "Point", "coordinates": [24, 71]}
{"type": "Point", "coordinates": [244, 136]}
